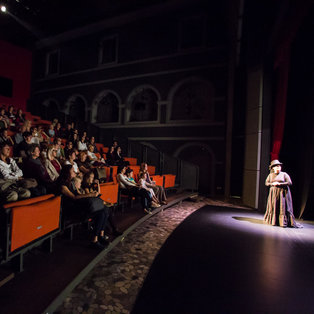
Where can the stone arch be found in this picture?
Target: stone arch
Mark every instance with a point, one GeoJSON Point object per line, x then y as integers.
{"type": "Point", "coordinates": [204, 157]}
{"type": "Point", "coordinates": [76, 107]}
{"type": "Point", "coordinates": [143, 104]}
{"type": "Point", "coordinates": [191, 99]}
{"type": "Point", "coordinates": [106, 107]}
{"type": "Point", "coordinates": [150, 145]}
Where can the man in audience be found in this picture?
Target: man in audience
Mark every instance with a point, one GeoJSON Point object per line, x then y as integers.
{"type": "Point", "coordinates": [18, 137]}
{"type": "Point", "coordinates": [10, 176]}
{"type": "Point", "coordinates": [24, 146]}
{"type": "Point", "coordinates": [68, 131]}
{"type": "Point", "coordinates": [34, 168]}
{"type": "Point", "coordinates": [5, 138]}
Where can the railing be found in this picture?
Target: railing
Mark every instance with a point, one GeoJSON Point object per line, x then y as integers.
{"type": "Point", "coordinates": [187, 174]}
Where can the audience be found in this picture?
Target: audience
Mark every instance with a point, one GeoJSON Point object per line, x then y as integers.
{"type": "Point", "coordinates": [158, 190]}
{"type": "Point", "coordinates": [49, 168]}
{"type": "Point", "coordinates": [132, 189]}
{"type": "Point", "coordinates": [88, 204]}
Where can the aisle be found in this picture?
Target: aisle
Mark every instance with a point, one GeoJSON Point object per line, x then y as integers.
{"type": "Point", "coordinates": [112, 286]}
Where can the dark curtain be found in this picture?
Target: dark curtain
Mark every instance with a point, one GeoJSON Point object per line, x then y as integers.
{"type": "Point", "coordinates": [293, 19]}
{"type": "Point", "coordinates": [297, 151]}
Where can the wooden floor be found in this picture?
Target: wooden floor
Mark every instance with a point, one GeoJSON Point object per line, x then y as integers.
{"type": "Point", "coordinates": [225, 260]}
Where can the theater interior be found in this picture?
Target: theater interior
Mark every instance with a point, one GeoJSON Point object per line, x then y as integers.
{"type": "Point", "coordinates": [206, 93]}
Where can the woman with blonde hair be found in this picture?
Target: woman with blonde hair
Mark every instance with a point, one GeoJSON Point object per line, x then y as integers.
{"type": "Point", "coordinates": [52, 164]}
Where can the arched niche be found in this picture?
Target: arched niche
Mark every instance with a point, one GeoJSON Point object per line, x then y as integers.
{"type": "Point", "coordinates": [143, 104]}
{"type": "Point", "coordinates": [191, 99]}
{"type": "Point", "coordinates": [105, 107]}
{"type": "Point", "coordinates": [75, 107]}
{"type": "Point", "coordinates": [200, 154]}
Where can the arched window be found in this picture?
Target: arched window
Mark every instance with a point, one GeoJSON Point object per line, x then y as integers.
{"type": "Point", "coordinates": [108, 108]}
{"type": "Point", "coordinates": [76, 106]}
{"type": "Point", "coordinates": [144, 105]}
{"type": "Point", "coordinates": [193, 100]}
{"type": "Point", "coordinates": [50, 109]}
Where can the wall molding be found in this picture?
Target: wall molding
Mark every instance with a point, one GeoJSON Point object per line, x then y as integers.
{"type": "Point", "coordinates": [130, 77]}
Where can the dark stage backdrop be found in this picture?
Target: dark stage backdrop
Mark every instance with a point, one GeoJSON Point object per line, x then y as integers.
{"type": "Point", "coordinates": [15, 74]}
{"type": "Point", "coordinates": [297, 152]}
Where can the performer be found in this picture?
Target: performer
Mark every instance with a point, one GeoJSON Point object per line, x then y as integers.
{"type": "Point", "coordinates": [279, 209]}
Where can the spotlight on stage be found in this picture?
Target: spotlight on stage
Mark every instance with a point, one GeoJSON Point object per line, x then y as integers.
{"type": "Point", "coordinates": [3, 9]}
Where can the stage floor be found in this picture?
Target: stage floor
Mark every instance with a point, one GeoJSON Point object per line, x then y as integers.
{"type": "Point", "coordinates": [226, 260]}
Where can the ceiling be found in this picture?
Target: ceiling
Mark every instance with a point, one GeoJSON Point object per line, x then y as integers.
{"type": "Point", "coordinates": [27, 21]}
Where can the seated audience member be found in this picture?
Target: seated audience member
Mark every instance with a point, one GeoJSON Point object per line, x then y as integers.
{"type": "Point", "coordinates": [42, 135]}
{"type": "Point", "coordinates": [93, 142]}
{"type": "Point", "coordinates": [5, 117]}
{"type": "Point", "coordinates": [81, 144]}
{"type": "Point", "coordinates": [34, 168]}
{"type": "Point", "coordinates": [115, 144]}
{"type": "Point", "coordinates": [10, 114]}
{"type": "Point", "coordinates": [3, 124]}
{"type": "Point", "coordinates": [90, 185]}
{"type": "Point", "coordinates": [5, 138]}
{"type": "Point", "coordinates": [130, 174]}
{"type": "Point", "coordinates": [57, 143]}
{"type": "Point", "coordinates": [143, 184]}
{"type": "Point", "coordinates": [88, 204]}
{"type": "Point", "coordinates": [11, 177]}
{"type": "Point", "coordinates": [158, 190]}
{"type": "Point", "coordinates": [74, 139]}
{"type": "Point", "coordinates": [82, 163]}
{"type": "Point", "coordinates": [130, 188]}
{"type": "Point", "coordinates": [18, 137]}
{"type": "Point", "coordinates": [52, 164]}
{"type": "Point", "coordinates": [51, 131]}
{"type": "Point", "coordinates": [23, 147]}
{"type": "Point", "coordinates": [35, 136]}
{"type": "Point", "coordinates": [20, 117]}
{"type": "Point", "coordinates": [54, 122]}
{"type": "Point", "coordinates": [70, 160]}
{"type": "Point", "coordinates": [28, 125]}
{"type": "Point", "coordinates": [86, 137]}
{"type": "Point", "coordinates": [58, 130]}
{"type": "Point", "coordinates": [118, 159]}
{"type": "Point", "coordinates": [69, 146]}
{"type": "Point", "coordinates": [43, 151]}
{"type": "Point", "coordinates": [93, 159]}
{"type": "Point", "coordinates": [110, 157]}
{"type": "Point", "coordinates": [68, 131]}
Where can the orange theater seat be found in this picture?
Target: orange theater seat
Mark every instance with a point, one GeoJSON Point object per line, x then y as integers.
{"type": "Point", "coordinates": [109, 192]}
{"type": "Point", "coordinates": [31, 221]}
{"type": "Point", "coordinates": [151, 170]}
{"type": "Point", "coordinates": [169, 180]}
{"type": "Point", "coordinates": [159, 180]}
{"type": "Point", "coordinates": [131, 160]}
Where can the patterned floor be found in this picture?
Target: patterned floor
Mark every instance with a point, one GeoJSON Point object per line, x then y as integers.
{"type": "Point", "coordinates": [112, 286]}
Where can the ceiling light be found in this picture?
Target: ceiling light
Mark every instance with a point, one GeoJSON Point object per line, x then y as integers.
{"type": "Point", "coordinates": [3, 8]}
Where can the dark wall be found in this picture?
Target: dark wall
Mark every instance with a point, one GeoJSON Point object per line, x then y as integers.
{"type": "Point", "coordinates": [160, 52]}
{"type": "Point", "coordinates": [15, 65]}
